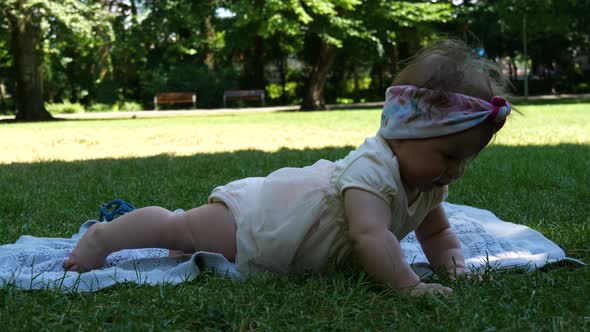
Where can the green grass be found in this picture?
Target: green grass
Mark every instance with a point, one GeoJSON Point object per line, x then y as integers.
{"type": "Point", "coordinates": [53, 176]}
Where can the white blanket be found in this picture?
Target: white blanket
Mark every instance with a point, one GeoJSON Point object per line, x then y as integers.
{"type": "Point", "coordinates": [36, 263]}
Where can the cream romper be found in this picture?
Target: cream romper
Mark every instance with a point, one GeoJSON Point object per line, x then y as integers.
{"type": "Point", "coordinates": [293, 220]}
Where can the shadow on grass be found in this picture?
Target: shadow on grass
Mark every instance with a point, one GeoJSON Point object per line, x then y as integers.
{"type": "Point", "coordinates": [545, 187]}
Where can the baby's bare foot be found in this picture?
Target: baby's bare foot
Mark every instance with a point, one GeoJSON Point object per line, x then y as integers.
{"type": "Point", "coordinates": [89, 253]}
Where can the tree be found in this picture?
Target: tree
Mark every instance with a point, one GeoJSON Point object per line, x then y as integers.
{"type": "Point", "coordinates": [334, 24]}
{"type": "Point", "coordinates": [167, 45]}
{"type": "Point", "coordinates": [395, 30]}
{"type": "Point", "coordinates": [314, 30]}
{"type": "Point", "coordinates": [5, 66]}
{"type": "Point", "coordinates": [24, 24]}
{"type": "Point", "coordinates": [556, 30]}
{"type": "Point", "coordinates": [27, 21]}
{"type": "Point", "coordinates": [262, 32]}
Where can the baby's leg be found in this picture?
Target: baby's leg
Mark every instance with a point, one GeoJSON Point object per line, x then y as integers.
{"type": "Point", "coordinates": [210, 227]}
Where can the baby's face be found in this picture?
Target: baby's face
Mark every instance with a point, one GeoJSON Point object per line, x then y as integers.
{"type": "Point", "coordinates": [435, 162]}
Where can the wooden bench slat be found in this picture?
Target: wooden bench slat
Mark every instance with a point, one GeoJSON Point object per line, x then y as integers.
{"type": "Point", "coordinates": [243, 95]}
{"type": "Point", "coordinates": [175, 98]}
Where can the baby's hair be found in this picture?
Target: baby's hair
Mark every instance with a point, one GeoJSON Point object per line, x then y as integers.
{"type": "Point", "coordinates": [452, 66]}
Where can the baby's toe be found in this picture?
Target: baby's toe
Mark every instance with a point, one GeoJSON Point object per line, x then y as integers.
{"type": "Point", "coordinates": [70, 265]}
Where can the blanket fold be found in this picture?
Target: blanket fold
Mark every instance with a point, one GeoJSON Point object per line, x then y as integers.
{"type": "Point", "coordinates": [36, 262]}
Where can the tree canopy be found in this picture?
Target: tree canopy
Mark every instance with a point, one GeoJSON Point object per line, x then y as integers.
{"type": "Point", "coordinates": [307, 52]}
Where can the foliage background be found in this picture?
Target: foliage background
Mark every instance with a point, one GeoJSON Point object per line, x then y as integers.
{"type": "Point", "coordinates": [112, 51]}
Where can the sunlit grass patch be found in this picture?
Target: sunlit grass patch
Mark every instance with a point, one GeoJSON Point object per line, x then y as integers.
{"type": "Point", "coordinates": [182, 136]}
{"type": "Point", "coordinates": [547, 125]}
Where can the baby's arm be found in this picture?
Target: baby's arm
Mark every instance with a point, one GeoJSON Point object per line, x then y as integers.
{"type": "Point", "coordinates": [440, 244]}
{"type": "Point", "coordinates": [377, 248]}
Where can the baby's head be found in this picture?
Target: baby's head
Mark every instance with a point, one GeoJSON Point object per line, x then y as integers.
{"type": "Point", "coordinates": [451, 66]}
{"type": "Point", "coordinates": [441, 111]}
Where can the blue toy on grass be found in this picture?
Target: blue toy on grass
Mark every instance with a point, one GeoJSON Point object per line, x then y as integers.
{"type": "Point", "coordinates": [115, 208]}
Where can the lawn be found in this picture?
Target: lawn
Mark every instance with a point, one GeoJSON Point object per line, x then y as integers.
{"type": "Point", "coordinates": [53, 176]}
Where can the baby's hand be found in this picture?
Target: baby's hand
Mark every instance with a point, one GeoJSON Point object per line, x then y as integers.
{"type": "Point", "coordinates": [423, 288]}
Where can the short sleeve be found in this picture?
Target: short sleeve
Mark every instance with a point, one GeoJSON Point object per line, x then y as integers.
{"type": "Point", "coordinates": [370, 171]}
{"type": "Point", "coordinates": [438, 196]}
{"type": "Point", "coordinates": [441, 194]}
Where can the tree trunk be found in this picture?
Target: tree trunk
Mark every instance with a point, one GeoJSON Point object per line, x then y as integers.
{"type": "Point", "coordinates": [314, 95]}
{"type": "Point", "coordinates": [29, 90]}
{"type": "Point", "coordinates": [356, 82]}
{"type": "Point", "coordinates": [513, 69]}
{"type": "Point", "coordinates": [133, 11]}
{"type": "Point", "coordinates": [209, 49]}
{"type": "Point", "coordinates": [282, 64]}
{"type": "Point", "coordinates": [258, 79]}
{"type": "Point", "coordinates": [394, 58]}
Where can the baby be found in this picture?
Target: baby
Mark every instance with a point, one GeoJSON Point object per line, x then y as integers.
{"type": "Point", "coordinates": [441, 111]}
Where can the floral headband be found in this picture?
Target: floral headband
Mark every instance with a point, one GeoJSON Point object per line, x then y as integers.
{"type": "Point", "coordinates": [412, 112]}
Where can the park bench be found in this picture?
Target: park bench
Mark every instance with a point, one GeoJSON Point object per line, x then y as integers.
{"type": "Point", "coordinates": [175, 98]}
{"type": "Point", "coordinates": [243, 95]}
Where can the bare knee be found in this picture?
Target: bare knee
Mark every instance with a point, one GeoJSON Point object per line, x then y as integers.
{"type": "Point", "coordinates": [210, 227]}
{"type": "Point", "coordinates": [173, 228]}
